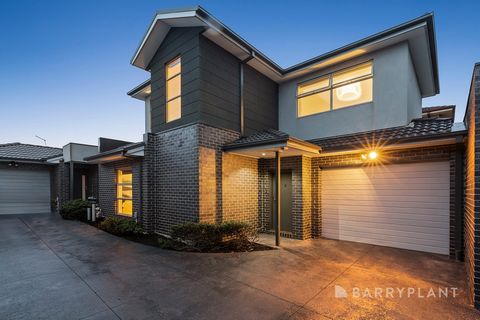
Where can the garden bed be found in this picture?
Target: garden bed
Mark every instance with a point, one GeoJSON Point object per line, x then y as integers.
{"type": "Point", "coordinates": [224, 237]}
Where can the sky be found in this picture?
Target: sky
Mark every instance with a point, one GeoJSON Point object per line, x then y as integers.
{"type": "Point", "coordinates": [65, 65]}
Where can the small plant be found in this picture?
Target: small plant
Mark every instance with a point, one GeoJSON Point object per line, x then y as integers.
{"type": "Point", "coordinates": [209, 236]}
{"type": "Point", "coordinates": [121, 226]}
{"type": "Point", "coordinates": [74, 210]}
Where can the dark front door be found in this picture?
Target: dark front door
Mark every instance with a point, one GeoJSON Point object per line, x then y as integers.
{"type": "Point", "coordinates": [285, 201]}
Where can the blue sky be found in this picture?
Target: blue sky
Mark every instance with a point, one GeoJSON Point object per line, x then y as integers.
{"type": "Point", "coordinates": [65, 65]}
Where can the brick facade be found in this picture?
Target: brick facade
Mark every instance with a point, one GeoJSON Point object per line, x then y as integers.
{"type": "Point", "coordinates": [107, 189]}
{"type": "Point", "coordinates": [472, 190]}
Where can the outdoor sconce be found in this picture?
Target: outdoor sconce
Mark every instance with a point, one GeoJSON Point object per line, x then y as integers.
{"type": "Point", "coordinates": [371, 156]}
{"type": "Point", "coordinates": [13, 164]}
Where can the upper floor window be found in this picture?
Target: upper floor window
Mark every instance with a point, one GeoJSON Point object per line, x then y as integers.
{"type": "Point", "coordinates": [340, 89]}
{"type": "Point", "coordinates": [124, 192]}
{"type": "Point", "coordinates": [173, 92]}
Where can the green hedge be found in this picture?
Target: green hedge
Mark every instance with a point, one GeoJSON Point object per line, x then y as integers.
{"type": "Point", "coordinates": [121, 226]}
{"type": "Point", "coordinates": [209, 236]}
{"type": "Point", "coordinates": [75, 210]}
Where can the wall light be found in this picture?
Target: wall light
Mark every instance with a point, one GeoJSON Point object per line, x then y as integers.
{"type": "Point", "coordinates": [372, 155]}
{"type": "Point", "coordinates": [264, 154]}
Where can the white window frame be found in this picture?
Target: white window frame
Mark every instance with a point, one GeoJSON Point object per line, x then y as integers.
{"type": "Point", "coordinates": [331, 87]}
{"type": "Point", "coordinates": [170, 99]}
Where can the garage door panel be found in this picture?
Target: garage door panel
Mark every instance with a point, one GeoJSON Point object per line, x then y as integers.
{"type": "Point", "coordinates": [382, 198]}
{"type": "Point", "coordinates": [386, 175]}
{"type": "Point", "coordinates": [338, 192]}
{"type": "Point", "coordinates": [403, 205]}
{"type": "Point", "coordinates": [396, 243]}
{"type": "Point", "coordinates": [24, 191]}
{"type": "Point", "coordinates": [391, 204]}
{"type": "Point", "coordinates": [433, 232]}
{"type": "Point", "coordinates": [417, 215]}
{"type": "Point", "coordinates": [434, 222]}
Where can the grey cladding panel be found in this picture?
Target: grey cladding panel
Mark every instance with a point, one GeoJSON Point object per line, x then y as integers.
{"type": "Point", "coordinates": [184, 42]}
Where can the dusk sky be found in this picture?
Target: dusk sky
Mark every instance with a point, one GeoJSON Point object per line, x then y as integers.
{"type": "Point", "coordinates": [65, 65]}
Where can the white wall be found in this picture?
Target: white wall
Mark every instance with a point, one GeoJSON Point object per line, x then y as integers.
{"type": "Point", "coordinates": [396, 99]}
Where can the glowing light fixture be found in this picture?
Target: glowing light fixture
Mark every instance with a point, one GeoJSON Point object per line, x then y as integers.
{"type": "Point", "coordinates": [264, 154]}
{"type": "Point", "coordinates": [372, 155]}
{"type": "Point", "coordinates": [349, 92]}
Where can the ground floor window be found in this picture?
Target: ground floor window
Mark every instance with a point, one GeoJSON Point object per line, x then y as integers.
{"type": "Point", "coordinates": [124, 194]}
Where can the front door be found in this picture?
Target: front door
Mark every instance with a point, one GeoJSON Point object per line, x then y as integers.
{"type": "Point", "coordinates": [285, 201]}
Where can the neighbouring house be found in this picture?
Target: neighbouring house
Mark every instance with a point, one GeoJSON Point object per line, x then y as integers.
{"type": "Point", "coordinates": [360, 159]}
{"type": "Point", "coordinates": [36, 179]}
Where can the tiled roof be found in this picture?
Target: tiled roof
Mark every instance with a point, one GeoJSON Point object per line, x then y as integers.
{"type": "Point", "coordinates": [417, 129]}
{"type": "Point", "coordinates": [22, 151]}
{"type": "Point", "coordinates": [437, 108]}
{"type": "Point", "coordinates": [258, 138]}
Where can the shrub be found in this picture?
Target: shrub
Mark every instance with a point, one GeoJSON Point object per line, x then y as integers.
{"type": "Point", "coordinates": [208, 236]}
{"type": "Point", "coordinates": [74, 210]}
{"type": "Point", "coordinates": [121, 226]}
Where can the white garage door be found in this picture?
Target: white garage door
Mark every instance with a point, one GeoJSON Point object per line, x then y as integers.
{"type": "Point", "coordinates": [402, 205]}
{"type": "Point", "coordinates": [24, 191]}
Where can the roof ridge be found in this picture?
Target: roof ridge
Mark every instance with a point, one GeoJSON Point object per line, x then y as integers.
{"type": "Point", "coordinates": [9, 144]}
{"type": "Point", "coordinates": [35, 145]}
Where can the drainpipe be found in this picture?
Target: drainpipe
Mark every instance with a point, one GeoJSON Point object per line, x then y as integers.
{"type": "Point", "coordinates": [242, 92]}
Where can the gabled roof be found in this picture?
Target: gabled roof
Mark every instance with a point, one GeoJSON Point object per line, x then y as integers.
{"type": "Point", "coordinates": [419, 33]}
{"type": "Point", "coordinates": [29, 152]}
{"type": "Point", "coordinates": [418, 129]}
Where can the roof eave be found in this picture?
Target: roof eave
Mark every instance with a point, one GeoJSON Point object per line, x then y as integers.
{"type": "Point", "coordinates": [393, 142]}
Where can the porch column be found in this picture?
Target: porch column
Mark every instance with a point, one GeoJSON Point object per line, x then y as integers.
{"type": "Point", "coordinates": [277, 214]}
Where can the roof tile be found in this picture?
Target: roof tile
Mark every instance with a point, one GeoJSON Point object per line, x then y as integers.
{"type": "Point", "coordinates": [22, 151]}
{"type": "Point", "coordinates": [418, 128]}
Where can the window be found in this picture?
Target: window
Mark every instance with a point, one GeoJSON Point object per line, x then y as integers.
{"type": "Point", "coordinates": [173, 92]}
{"type": "Point", "coordinates": [124, 192]}
{"type": "Point", "coordinates": [338, 90]}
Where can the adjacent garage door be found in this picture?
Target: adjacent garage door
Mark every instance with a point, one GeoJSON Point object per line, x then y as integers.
{"type": "Point", "coordinates": [403, 205]}
{"type": "Point", "coordinates": [24, 191]}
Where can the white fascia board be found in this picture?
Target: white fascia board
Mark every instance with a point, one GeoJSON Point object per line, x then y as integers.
{"type": "Point", "coordinates": [160, 18]}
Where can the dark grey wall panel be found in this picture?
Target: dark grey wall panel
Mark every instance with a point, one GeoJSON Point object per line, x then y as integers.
{"type": "Point", "coordinates": [184, 42]}
{"type": "Point", "coordinates": [211, 86]}
{"type": "Point", "coordinates": [220, 91]}
{"type": "Point", "coordinates": [261, 101]}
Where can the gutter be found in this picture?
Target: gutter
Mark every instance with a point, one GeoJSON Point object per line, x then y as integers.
{"type": "Point", "coordinates": [118, 151]}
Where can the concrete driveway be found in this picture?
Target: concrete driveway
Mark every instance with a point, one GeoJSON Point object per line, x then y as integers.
{"type": "Point", "coordinates": [56, 269]}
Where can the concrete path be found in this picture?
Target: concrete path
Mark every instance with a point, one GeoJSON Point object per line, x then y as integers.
{"type": "Point", "coordinates": [56, 269]}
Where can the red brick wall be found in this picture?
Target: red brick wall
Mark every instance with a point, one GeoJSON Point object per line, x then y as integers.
{"type": "Point", "coordinates": [472, 190]}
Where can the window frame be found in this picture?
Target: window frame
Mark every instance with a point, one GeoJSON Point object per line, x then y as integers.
{"type": "Point", "coordinates": [331, 87]}
{"type": "Point", "coordinates": [116, 199]}
{"type": "Point", "coordinates": [167, 99]}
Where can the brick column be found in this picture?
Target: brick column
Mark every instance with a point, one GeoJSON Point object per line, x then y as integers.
{"type": "Point", "coordinates": [472, 190]}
